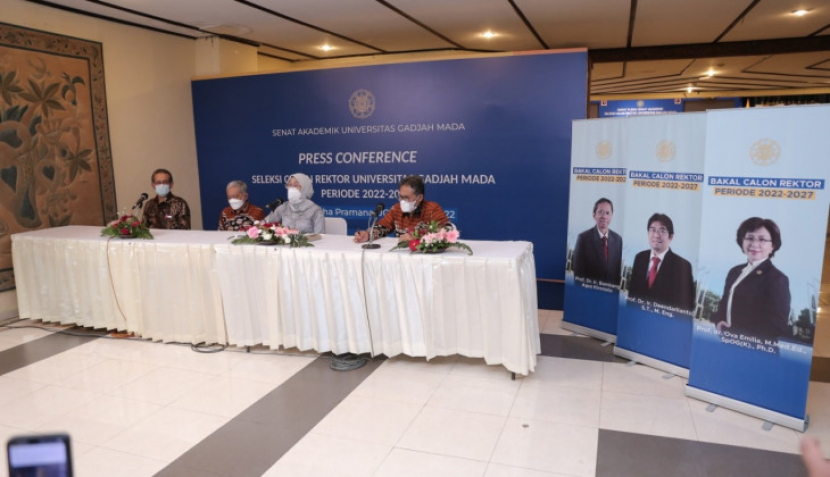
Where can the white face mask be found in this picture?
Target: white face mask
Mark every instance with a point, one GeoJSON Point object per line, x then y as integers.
{"type": "Point", "coordinates": [236, 204]}
{"type": "Point", "coordinates": [407, 206]}
{"type": "Point", "coordinates": [162, 189]}
{"type": "Point", "coordinates": [294, 195]}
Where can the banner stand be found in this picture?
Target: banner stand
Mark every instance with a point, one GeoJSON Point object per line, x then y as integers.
{"type": "Point", "coordinates": [799, 425]}
{"type": "Point", "coordinates": [584, 330]}
{"type": "Point", "coordinates": [651, 362]}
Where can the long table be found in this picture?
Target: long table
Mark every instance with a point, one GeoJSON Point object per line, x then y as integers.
{"type": "Point", "coordinates": [195, 286]}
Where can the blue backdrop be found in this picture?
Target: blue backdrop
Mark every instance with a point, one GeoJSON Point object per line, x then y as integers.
{"type": "Point", "coordinates": [491, 136]}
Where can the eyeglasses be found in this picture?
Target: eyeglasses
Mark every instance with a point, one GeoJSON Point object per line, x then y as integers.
{"type": "Point", "coordinates": [655, 230]}
{"type": "Point", "coordinates": [753, 239]}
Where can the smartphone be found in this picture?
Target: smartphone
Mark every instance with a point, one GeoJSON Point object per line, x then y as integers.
{"type": "Point", "coordinates": [45, 455]}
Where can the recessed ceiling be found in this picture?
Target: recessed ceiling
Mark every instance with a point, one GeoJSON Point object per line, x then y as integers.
{"type": "Point", "coordinates": [636, 46]}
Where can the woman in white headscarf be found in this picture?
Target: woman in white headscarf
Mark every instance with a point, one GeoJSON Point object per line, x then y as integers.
{"type": "Point", "coordinates": [299, 212]}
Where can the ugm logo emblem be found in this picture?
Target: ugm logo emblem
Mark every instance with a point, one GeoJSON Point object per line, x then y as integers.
{"type": "Point", "coordinates": [665, 150]}
{"type": "Point", "coordinates": [765, 152]}
{"type": "Point", "coordinates": [362, 104]}
{"type": "Point", "coordinates": [604, 149]}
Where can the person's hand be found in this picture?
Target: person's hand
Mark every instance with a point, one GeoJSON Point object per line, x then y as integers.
{"type": "Point", "coordinates": [405, 237]}
{"type": "Point", "coordinates": [813, 459]}
{"type": "Point", "coordinates": [721, 325]}
{"type": "Point", "coordinates": [361, 236]}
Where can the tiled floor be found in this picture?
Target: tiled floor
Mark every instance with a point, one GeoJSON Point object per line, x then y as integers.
{"type": "Point", "coordinates": [140, 408]}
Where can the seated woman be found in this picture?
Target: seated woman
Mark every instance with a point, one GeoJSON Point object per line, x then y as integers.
{"type": "Point", "coordinates": [299, 212]}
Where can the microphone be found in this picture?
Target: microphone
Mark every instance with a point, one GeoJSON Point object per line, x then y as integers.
{"type": "Point", "coordinates": [273, 205]}
{"type": "Point", "coordinates": [373, 219]}
{"type": "Point", "coordinates": [378, 209]}
{"type": "Point", "coordinates": [140, 202]}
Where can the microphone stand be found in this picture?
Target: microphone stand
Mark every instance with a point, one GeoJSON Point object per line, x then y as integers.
{"type": "Point", "coordinates": [140, 206]}
{"type": "Point", "coordinates": [371, 245]}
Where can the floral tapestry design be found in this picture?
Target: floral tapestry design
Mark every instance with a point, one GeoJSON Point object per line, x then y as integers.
{"type": "Point", "coordinates": [55, 161]}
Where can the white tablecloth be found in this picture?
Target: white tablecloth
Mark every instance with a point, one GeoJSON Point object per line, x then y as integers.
{"type": "Point", "coordinates": [167, 288]}
{"type": "Point", "coordinates": [191, 286]}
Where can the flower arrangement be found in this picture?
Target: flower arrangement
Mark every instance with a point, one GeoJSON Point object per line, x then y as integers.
{"type": "Point", "coordinates": [432, 238]}
{"type": "Point", "coordinates": [273, 234]}
{"type": "Point", "coordinates": [127, 226]}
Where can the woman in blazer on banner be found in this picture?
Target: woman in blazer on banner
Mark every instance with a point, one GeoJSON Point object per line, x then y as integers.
{"type": "Point", "coordinates": [756, 296]}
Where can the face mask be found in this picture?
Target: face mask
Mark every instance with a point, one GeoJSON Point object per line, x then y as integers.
{"type": "Point", "coordinates": [294, 194]}
{"type": "Point", "coordinates": [407, 207]}
{"type": "Point", "coordinates": [162, 189]}
{"type": "Point", "coordinates": [236, 204]}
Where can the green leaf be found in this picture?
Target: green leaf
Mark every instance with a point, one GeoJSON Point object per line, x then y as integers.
{"type": "Point", "coordinates": [35, 88]}
{"type": "Point", "coordinates": [51, 90]}
{"type": "Point", "coordinates": [53, 104]}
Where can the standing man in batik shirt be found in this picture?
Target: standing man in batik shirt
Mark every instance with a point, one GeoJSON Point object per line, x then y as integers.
{"type": "Point", "coordinates": [165, 210]}
{"type": "Point", "coordinates": [408, 214]}
{"type": "Point", "coordinates": [240, 214]}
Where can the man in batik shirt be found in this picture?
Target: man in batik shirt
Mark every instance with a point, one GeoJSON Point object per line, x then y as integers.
{"type": "Point", "coordinates": [408, 214]}
{"type": "Point", "coordinates": [165, 210]}
{"type": "Point", "coordinates": [240, 213]}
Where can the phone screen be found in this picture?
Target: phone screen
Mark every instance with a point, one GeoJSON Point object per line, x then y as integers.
{"type": "Point", "coordinates": [40, 456]}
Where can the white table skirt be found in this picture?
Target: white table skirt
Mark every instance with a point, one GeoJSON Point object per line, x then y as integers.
{"type": "Point", "coordinates": [165, 289]}
{"type": "Point", "coordinates": [191, 286]}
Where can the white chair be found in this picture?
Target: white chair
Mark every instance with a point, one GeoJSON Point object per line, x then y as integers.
{"type": "Point", "coordinates": [336, 226]}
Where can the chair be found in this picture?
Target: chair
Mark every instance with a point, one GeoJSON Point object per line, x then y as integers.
{"type": "Point", "coordinates": [336, 226]}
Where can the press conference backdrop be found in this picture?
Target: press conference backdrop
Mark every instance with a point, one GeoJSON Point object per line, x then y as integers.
{"type": "Point", "coordinates": [491, 136]}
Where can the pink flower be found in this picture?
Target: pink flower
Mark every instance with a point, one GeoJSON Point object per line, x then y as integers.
{"type": "Point", "coordinates": [452, 236]}
{"type": "Point", "coordinates": [253, 232]}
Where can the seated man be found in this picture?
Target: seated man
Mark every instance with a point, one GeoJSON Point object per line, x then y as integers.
{"type": "Point", "coordinates": [405, 216]}
{"type": "Point", "coordinates": [165, 210]}
{"type": "Point", "coordinates": [240, 213]}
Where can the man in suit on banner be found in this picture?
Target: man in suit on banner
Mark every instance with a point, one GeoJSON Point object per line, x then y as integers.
{"type": "Point", "coordinates": [598, 251]}
{"type": "Point", "coordinates": [660, 275]}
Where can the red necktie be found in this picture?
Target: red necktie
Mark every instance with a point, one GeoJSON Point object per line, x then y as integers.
{"type": "Point", "coordinates": [652, 274]}
{"type": "Point", "coordinates": [605, 246]}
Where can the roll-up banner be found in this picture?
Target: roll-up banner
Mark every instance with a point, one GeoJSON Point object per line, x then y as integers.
{"type": "Point", "coordinates": [595, 241]}
{"type": "Point", "coordinates": [659, 294]}
{"type": "Point", "coordinates": [491, 137]}
{"type": "Point", "coordinates": [765, 206]}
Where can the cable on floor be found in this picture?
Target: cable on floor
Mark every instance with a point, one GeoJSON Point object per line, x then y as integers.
{"type": "Point", "coordinates": [347, 362]}
{"type": "Point", "coordinates": [206, 348]}
{"type": "Point", "coordinates": [201, 346]}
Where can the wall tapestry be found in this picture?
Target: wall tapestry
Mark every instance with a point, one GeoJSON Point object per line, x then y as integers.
{"type": "Point", "coordinates": [55, 158]}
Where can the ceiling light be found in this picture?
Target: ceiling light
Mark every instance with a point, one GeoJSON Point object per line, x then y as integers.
{"type": "Point", "coordinates": [326, 47]}
{"type": "Point", "coordinates": [489, 34]}
{"type": "Point", "coordinates": [710, 73]}
{"type": "Point", "coordinates": [689, 89]}
{"type": "Point", "coordinates": [800, 12]}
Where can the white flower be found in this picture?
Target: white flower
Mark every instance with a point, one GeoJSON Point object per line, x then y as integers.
{"type": "Point", "coordinates": [267, 237]}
